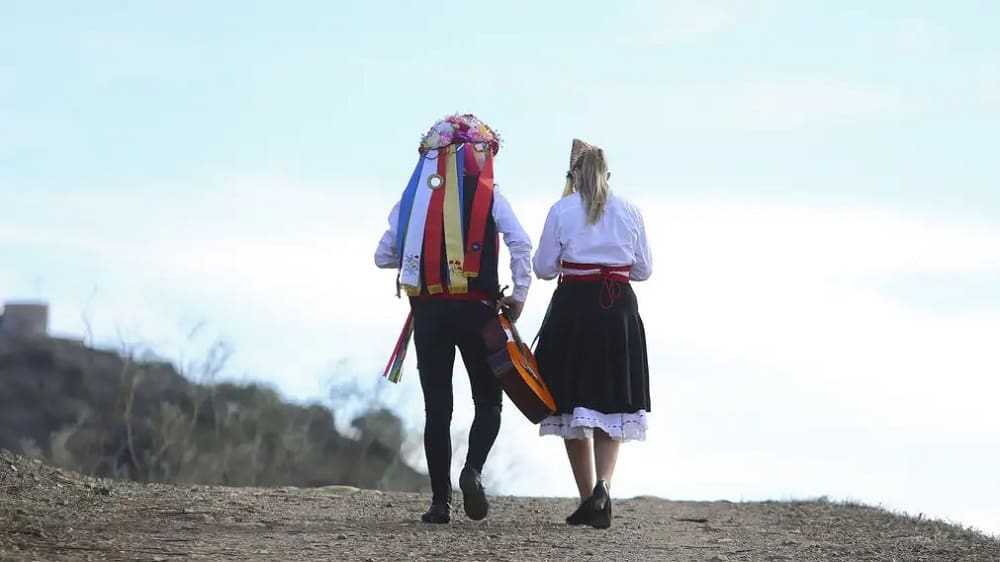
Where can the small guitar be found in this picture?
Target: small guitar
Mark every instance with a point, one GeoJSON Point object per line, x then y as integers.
{"type": "Point", "coordinates": [515, 368]}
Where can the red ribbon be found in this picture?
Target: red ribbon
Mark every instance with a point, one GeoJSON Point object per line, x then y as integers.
{"type": "Point", "coordinates": [434, 232]}
{"type": "Point", "coordinates": [477, 222]}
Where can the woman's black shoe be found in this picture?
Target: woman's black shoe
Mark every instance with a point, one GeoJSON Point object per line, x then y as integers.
{"type": "Point", "coordinates": [595, 510]}
{"type": "Point", "coordinates": [600, 510]}
{"type": "Point", "coordinates": [437, 513]}
{"type": "Point", "coordinates": [582, 513]}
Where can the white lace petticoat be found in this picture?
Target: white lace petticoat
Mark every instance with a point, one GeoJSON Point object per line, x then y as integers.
{"type": "Point", "coordinates": [582, 422]}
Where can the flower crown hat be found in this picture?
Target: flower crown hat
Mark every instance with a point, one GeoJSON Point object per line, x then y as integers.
{"type": "Point", "coordinates": [460, 129]}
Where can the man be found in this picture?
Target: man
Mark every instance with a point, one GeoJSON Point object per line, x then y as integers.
{"type": "Point", "coordinates": [443, 237]}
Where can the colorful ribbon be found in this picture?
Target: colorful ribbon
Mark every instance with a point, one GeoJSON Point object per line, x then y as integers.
{"type": "Point", "coordinates": [434, 233]}
{"type": "Point", "coordinates": [457, 283]}
{"type": "Point", "coordinates": [415, 224]}
{"type": "Point", "coordinates": [394, 369]}
{"type": "Point", "coordinates": [405, 208]}
{"type": "Point", "coordinates": [477, 222]}
{"type": "Point", "coordinates": [432, 221]}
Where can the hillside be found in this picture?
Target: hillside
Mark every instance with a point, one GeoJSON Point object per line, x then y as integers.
{"type": "Point", "coordinates": [52, 514]}
{"type": "Point", "coordinates": [98, 413]}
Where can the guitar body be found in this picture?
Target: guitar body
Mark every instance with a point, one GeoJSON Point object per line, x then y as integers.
{"type": "Point", "coordinates": [515, 368]}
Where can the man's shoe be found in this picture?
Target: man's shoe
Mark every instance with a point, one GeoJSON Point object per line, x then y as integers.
{"type": "Point", "coordinates": [437, 513]}
{"type": "Point", "coordinates": [473, 494]}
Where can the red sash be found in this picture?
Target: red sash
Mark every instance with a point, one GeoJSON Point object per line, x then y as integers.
{"type": "Point", "coordinates": [612, 277]}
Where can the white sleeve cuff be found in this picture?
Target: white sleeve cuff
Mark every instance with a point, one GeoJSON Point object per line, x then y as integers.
{"type": "Point", "coordinates": [520, 293]}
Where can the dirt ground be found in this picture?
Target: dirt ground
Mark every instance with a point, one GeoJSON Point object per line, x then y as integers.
{"type": "Point", "coordinates": [49, 514]}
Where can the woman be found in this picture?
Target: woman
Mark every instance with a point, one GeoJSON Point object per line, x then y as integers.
{"type": "Point", "coordinates": [592, 347]}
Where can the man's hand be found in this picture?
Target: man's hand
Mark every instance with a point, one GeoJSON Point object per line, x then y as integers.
{"type": "Point", "coordinates": [513, 307]}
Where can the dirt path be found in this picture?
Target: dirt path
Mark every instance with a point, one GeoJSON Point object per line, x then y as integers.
{"type": "Point", "coordinates": [48, 514]}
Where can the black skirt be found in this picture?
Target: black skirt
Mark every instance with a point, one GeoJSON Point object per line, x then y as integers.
{"type": "Point", "coordinates": [591, 356]}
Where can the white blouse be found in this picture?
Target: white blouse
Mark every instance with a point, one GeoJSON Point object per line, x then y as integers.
{"type": "Point", "coordinates": [617, 238]}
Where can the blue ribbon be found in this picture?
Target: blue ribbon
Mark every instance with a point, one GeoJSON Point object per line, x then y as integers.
{"type": "Point", "coordinates": [406, 207]}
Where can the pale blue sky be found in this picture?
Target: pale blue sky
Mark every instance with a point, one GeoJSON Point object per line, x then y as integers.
{"type": "Point", "coordinates": [891, 101]}
{"type": "Point", "coordinates": [819, 178]}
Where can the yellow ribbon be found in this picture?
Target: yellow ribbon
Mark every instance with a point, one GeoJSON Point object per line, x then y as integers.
{"type": "Point", "coordinates": [453, 241]}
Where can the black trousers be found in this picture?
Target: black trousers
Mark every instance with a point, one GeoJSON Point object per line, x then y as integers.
{"type": "Point", "coordinates": [439, 326]}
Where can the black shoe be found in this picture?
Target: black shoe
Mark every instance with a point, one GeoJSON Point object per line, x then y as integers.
{"type": "Point", "coordinates": [438, 512]}
{"type": "Point", "coordinates": [600, 512]}
{"type": "Point", "coordinates": [473, 494]}
{"type": "Point", "coordinates": [582, 513]}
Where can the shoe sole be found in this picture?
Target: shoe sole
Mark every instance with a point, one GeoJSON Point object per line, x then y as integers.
{"type": "Point", "coordinates": [474, 500]}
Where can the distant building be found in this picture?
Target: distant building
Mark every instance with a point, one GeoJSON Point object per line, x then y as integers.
{"type": "Point", "coordinates": [25, 319]}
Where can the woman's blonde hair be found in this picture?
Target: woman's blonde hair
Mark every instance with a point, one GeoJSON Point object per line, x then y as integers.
{"type": "Point", "coordinates": [589, 177]}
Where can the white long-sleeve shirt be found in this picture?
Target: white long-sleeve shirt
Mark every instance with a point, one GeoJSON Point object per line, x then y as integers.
{"type": "Point", "coordinates": [514, 236]}
{"type": "Point", "coordinates": [617, 238]}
